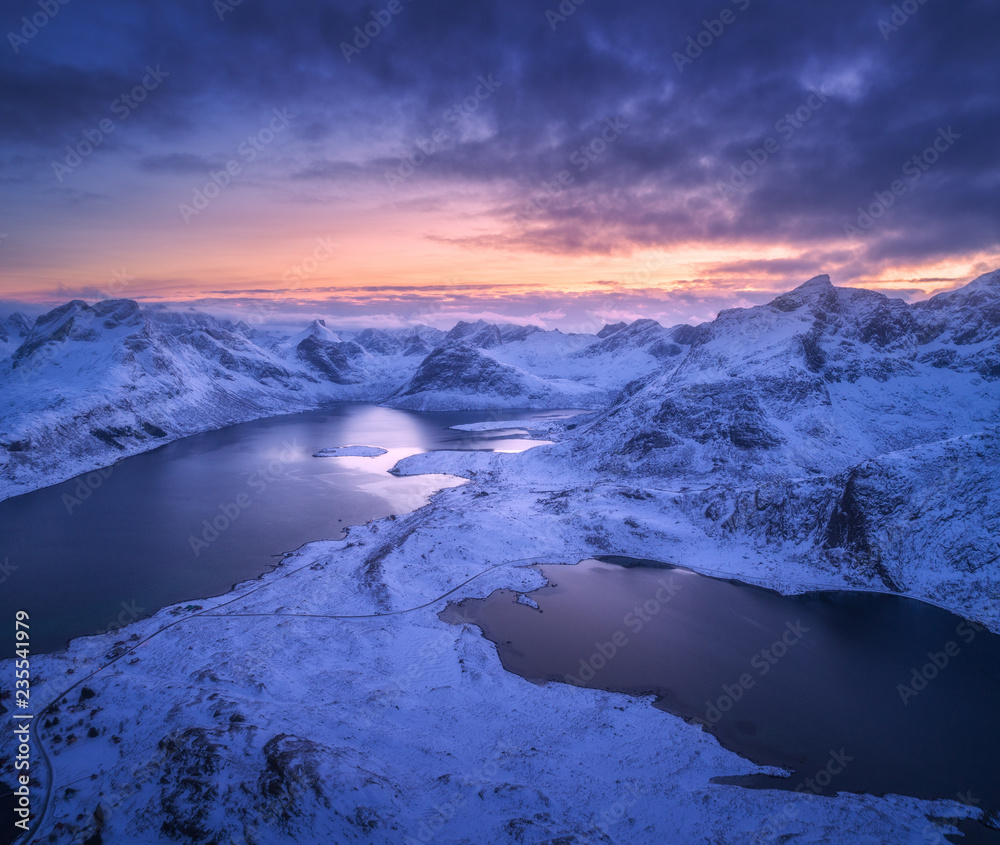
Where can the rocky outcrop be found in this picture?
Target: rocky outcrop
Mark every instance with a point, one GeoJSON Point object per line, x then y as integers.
{"type": "Point", "coordinates": [463, 368]}
{"type": "Point", "coordinates": [341, 363]}
{"type": "Point", "coordinates": [479, 334]}
{"type": "Point", "coordinates": [377, 342]}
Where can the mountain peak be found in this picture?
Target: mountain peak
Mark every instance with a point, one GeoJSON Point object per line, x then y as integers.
{"type": "Point", "coordinates": [813, 291]}
{"type": "Point", "coordinates": [821, 281]}
{"type": "Point", "coordinates": [988, 281]}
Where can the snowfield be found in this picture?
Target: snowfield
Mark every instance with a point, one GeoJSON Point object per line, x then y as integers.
{"type": "Point", "coordinates": [832, 438]}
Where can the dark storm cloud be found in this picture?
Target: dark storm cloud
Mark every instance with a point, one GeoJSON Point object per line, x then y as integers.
{"type": "Point", "coordinates": [685, 126]}
{"type": "Point", "coordinates": [182, 163]}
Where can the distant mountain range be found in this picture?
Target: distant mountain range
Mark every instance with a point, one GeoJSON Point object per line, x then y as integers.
{"type": "Point", "coordinates": [818, 380]}
{"type": "Point", "coordinates": [848, 425]}
{"type": "Point", "coordinates": [87, 384]}
{"type": "Point", "coordinates": [833, 438]}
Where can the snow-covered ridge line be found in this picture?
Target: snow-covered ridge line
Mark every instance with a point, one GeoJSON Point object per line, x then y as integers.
{"type": "Point", "coordinates": [86, 385]}
{"type": "Point", "coordinates": [833, 437]}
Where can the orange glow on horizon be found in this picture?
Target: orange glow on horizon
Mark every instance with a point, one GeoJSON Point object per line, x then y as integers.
{"type": "Point", "coordinates": [389, 253]}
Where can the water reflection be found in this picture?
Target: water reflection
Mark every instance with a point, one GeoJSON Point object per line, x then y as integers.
{"type": "Point", "coordinates": [194, 517]}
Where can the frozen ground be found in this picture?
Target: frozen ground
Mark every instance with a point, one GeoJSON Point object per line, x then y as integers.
{"type": "Point", "coordinates": [262, 718]}
{"type": "Point", "coordinates": [831, 438]}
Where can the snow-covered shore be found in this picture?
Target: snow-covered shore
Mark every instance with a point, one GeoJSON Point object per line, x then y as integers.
{"type": "Point", "coordinates": [259, 718]}
{"type": "Point", "coordinates": [350, 452]}
{"type": "Point", "coordinates": [833, 438]}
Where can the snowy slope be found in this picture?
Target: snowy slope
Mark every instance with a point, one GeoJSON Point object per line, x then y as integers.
{"type": "Point", "coordinates": [819, 378]}
{"type": "Point", "coordinates": [821, 423]}
{"type": "Point", "coordinates": [89, 384]}
{"type": "Point", "coordinates": [459, 375]}
{"type": "Point", "coordinates": [269, 726]}
{"type": "Point", "coordinates": [833, 437]}
{"type": "Point", "coordinates": [13, 330]}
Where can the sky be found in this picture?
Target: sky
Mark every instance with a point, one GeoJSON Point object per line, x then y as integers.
{"type": "Point", "coordinates": [553, 162]}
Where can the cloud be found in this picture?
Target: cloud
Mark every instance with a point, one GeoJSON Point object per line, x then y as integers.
{"type": "Point", "coordinates": [179, 163]}
{"type": "Point", "coordinates": [655, 185]}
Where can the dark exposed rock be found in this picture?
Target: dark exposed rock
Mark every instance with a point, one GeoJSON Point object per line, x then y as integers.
{"type": "Point", "coordinates": [642, 334]}
{"type": "Point", "coordinates": [291, 769]}
{"type": "Point", "coordinates": [342, 363]}
{"type": "Point", "coordinates": [610, 329]}
{"type": "Point", "coordinates": [643, 443]}
{"type": "Point", "coordinates": [813, 353]}
{"type": "Point", "coordinates": [868, 497]}
{"type": "Point", "coordinates": [416, 345]}
{"type": "Point", "coordinates": [662, 349]}
{"type": "Point", "coordinates": [461, 367]}
{"type": "Point", "coordinates": [481, 334]}
{"type": "Point", "coordinates": [515, 334]}
{"type": "Point", "coordinates": [190, 761]}
{"type": "Point", "coordinates": [729, 411]}
{"type": "Point", "coordinates": [377, 341]}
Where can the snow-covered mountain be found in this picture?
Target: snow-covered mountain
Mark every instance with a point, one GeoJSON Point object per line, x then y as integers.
{"type": "Point", "coordinates": [824, 422]}
{"type": "Point", "coordinates": [817, 380]}
{"type": "Point", "coordinates": [458, 374]}
{"type": "Point", "coordinates": [833, 437]}
{"type": "Point", "coordinates": [88, 384]}
{"type": "Point", "coordinates": [13, 330]}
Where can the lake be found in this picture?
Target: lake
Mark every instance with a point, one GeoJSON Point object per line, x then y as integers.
{"type": "Point", "coordinates": [851, 691]}
{"type": "Point", "coordinates": [192, 518]}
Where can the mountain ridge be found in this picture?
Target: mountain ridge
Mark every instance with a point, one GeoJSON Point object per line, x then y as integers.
{"type": "Point", "coordinates": [746, 387]}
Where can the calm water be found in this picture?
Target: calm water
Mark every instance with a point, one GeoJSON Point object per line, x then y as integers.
{"type": "Point", "coordinates": [97, 551]}
{"type": "Point", "coordinates": [815, 683]}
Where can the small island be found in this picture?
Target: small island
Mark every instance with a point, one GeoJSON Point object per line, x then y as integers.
{"type": "Point", "coordinates": [350, 452]}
